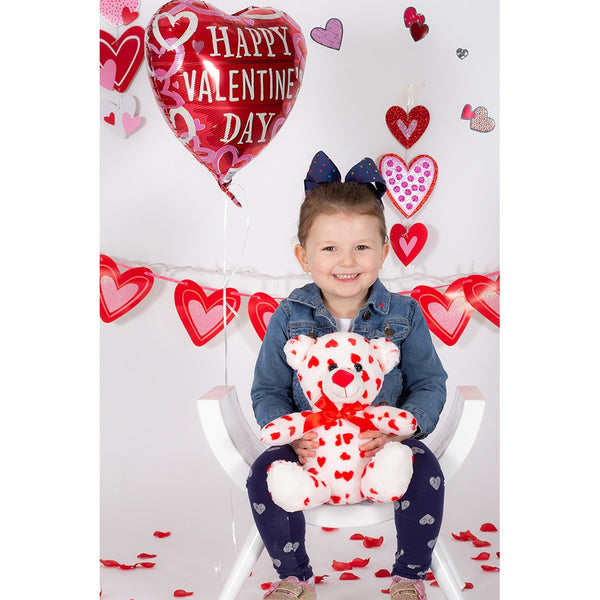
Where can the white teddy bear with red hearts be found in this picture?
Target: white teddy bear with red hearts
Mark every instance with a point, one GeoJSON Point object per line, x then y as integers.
{"type": "Point", "coordinates": [340, 374]}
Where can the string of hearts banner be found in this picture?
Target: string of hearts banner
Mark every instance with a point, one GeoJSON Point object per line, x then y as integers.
{"type": "Point", "coordinates": [205, 312]}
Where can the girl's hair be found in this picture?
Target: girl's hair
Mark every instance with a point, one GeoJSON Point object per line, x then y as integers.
{"type": "Point", "coordinates": [335, 197]}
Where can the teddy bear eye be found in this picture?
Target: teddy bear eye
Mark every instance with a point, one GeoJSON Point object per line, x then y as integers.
{"type": "Point", "coordinates": [332, 366]}
{"type": "Point", "coordinates": [358, 367]}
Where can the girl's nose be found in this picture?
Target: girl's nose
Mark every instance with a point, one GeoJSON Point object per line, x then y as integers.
{"type": "Point", "coordinates": [346, 259]}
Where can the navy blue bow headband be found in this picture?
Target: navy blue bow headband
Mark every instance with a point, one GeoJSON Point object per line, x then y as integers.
{"type": "Point", "coordinates": [322, 170]}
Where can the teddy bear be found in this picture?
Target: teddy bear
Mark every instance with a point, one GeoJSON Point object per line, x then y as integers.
{"type": "Point", "coordinates": [340, 375]}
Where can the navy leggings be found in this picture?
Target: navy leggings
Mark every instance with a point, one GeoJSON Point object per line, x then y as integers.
{"type": "Point", "coordinates": [418, 517]}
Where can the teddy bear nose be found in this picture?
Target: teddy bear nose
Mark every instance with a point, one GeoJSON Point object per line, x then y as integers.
{"type": "Point", "coordinates": [342, 378]}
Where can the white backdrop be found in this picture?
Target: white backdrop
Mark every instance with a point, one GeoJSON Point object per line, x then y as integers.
{"type": "Point", "coordinates": [160, 208]}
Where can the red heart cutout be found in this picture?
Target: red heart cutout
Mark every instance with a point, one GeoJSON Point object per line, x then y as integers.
{"type": "Point", "coordinates": [446, 314]}
{"type": "Point", "coordinates": [483, 294]}
{"type": "Point", "coordinates": [407, 244]}
{"type": "Point", "coordinates": [120, 292]}
{"type": "Point", "coordinates": [110, 119]}
{"type": "Point", "coordinates": [260, 308]}
{"type": "Point", "coordinates": [224, 83]}
{"type": "Point", "coordinates": [467, 112]}
{"type": "Point", "coordinates": [411, 16]}
{"type": "Point", "coordinates": [201, 314]}
{"type": "Point", "coordinates": [418, 31]}
{"type": "Point", "coordinates": [407, 128]}
{"type": "Point", "coordinates": [129, 16]}
{"type": "Point", "coordinates": [127, 52]}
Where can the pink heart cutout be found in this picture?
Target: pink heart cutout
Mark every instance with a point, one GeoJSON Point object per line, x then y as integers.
{"type": "Point", "coordinates": [331, 36]}
{"type": "Point", "coordinates": [130, 124]}
{"type": "Point", "coordinates": [108, 72]}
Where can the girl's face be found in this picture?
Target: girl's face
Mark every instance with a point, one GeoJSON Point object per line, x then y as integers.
{"type": "Point", "coordinates": [343, 252]}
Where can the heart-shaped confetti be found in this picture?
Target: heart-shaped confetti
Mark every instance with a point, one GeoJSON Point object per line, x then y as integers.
{"type": "Point", "coordinates": [447, 314]}
{"type": "Point", "coordinates": [407, 244]}
{"type": "Point", "coordinates": [411, 16]}
{"type": "Point", "coordinates": [467, 112]}
{"type": "Point", "coordinates": [480, 120]}
{"type": "Point", "coordinates": [127, 52]}
{"type": "Point", "coordinates": [260, 309]}
{"type": "Point", "coordinates": [120, 292]}
{"type": "Point", "coordinates": [203, 315]}
{"type": "Point", "coordinates": [407, 128]}
{"type": "Point", "coordinates": [462, 53]}
{"type": "Point", "coordinates": [408, 186]}
{"type": "Point", "coordinates": [483, 294]}
{"type": "Point", "coordinates": [418, 31]}
{"type": "Point", "coordinates": [330, 36]}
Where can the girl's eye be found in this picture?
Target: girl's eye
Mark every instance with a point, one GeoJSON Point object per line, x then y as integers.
{"type": "Point", "coordinates": [329, 248]}
{"type": "Point", "coordinates": [362, 247]}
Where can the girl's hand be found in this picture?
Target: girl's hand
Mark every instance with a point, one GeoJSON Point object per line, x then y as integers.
{"type": "Point", "coordinates": [377, 440]}
{"type": "Point", "coordinates": [306, 446]}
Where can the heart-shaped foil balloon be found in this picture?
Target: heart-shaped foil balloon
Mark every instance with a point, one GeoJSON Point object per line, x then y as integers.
{"type": "Point", "coordinates": [224, 83]}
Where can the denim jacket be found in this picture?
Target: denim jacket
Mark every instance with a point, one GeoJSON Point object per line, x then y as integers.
{"type": "Point", "coordinates": [417, 384]}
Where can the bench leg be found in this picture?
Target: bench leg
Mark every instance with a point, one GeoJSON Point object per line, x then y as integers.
{"type": "Point", "coordinates": [445, 573]}
{"type": "Point", "coordinates": [243, 565]}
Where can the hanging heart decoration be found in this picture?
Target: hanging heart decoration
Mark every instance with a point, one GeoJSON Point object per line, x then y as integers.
{"type": "Point", "coordinates": [127, 52]}
{"type": "Point", "coordinates": [119, 12]}
{"type": "Point", "coordinates": [225, 84]}
{"type": "Point", "coordinates": [447, 314]}
{"type": "Point", "coordinates": [407, 244]}
{"type": "Point", "coordinates": [203, 315]}
{"type": "Point", "coordinates": [483, 294]}
{"type": "Point", "coordinates": [407, 128]}
{"type": "Point", "coordinates": [120, 292]}
{"type": "Point", "coordinates": [408, 186]}
{"type": "Point", "coordinates": [261, 307]}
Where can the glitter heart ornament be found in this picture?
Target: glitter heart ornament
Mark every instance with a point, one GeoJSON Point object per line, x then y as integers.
{"type": "Point", "coordinates": [409, 186]}
{"type": "Point", "coordinates": [120, 292]}
{"type": "Point", "coordinates": [407, 244]}
{"type": "Point", "coordinates": [330, 36]}
{"type": "Point", "coordinates": [202, 314]}
{"type": "Point", "coordinates": [447, 314]}
{"type": "Point", "coordinates": [480, 120]}
{"type": "Point", "coordinates": [407, 128]}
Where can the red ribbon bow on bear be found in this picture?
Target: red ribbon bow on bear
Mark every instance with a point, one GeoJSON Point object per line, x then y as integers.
{"type": "Point", "coordinates": [329, 414]}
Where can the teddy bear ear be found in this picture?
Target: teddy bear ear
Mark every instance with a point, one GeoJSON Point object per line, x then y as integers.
{"type": "Point", "coordinates": [296, 350]}
{"type": "Point", "coordinates": [386, 352]}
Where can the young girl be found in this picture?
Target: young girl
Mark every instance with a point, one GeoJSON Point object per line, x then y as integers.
{"type": "Point", "coordinates": [343, 244]}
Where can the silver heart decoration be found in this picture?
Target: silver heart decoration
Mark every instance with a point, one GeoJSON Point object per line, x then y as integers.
{"type": "Point", "coordinates": [462, 53]}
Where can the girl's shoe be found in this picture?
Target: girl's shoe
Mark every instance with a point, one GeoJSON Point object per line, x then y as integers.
{"type": "Point", "coordinates": [290, 589]}
{"type": "Point", "coordinates": [408, 589]}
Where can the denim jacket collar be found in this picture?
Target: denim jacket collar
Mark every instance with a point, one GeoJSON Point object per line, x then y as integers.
{"type": "Point", "coordinates": [378, 301]}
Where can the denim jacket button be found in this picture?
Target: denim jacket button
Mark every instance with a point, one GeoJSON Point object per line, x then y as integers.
{"type": "Point", "coordinates": [366, 315]}
{"type": "Point", "coordinates": [388, 331]}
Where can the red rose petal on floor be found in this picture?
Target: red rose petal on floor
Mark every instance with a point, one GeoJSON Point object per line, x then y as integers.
{"type": "Point", "coordinates": [320, 578]}
{"type": "Point", "coordinates": [144, 555]}
{"type": "Point", "coordinates": [109, 563]}
{"type": "Point", "coordinates": [489, 568]}
{"type": "Point", "coordinates": [498, 554]}
{"type": "Point", "coordinates": [360, 562]}
{"type": "Point", "coordinates": [488, 527]}
{"type": "Point", "coordinates": [481, 556]}
{"type": "Point", "coordinates": [146, 565]}
{"type": "Point", "coordinates": [329, 528]}
{"type": "Point", "coordinates": [126, 567]}
{"type": "Point", "coordinates": [357, 536]}
{"type": "Point", "coordinates": [161, 534]}
{"type": "Point", "coordinates": [385, 591]}
{"type": "Point", "coordinates": [370, 542]}
{"type": "Point", "coordinates": [182, 593]}
{"type": "Point", "coordinates": [468, 586]}
{"type": "Point", "coordinates": [464, 536]}
{"type": "Point", "coordinates": [480, 543]}
{"type": "Point", "coordinates": [434, 584]}
{"type": "Point", "coordinates": [430, 576]}
{"type": "Point", "coordinates": [383, 573]}
{"type": "Point", "coordinates": [348, 577]}
{"type": "Point", "coordinates": [266, 586]}
{"type": "Point", "coordinates": [336, 565]}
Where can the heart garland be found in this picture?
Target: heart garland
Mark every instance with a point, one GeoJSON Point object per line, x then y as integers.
{"type": "Point", "coordinates": [409, 186]}
{"type": "Point", "coordinates": [407, 244]}
{"type": "Point", "coordinates": [407, 128]}
{"type": "Point", "coordinates": [483, 294]}
{"type": "Point", "coordinates": [447, 314]}
{"type": "Point", "coordinates": [261, 307]}
{"type": "Point", "coordinates": [202, 314]}
{"type": "Point", "coordinates": [120, 292]}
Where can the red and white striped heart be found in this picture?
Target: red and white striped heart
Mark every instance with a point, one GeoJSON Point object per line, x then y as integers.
{"type": "Point", "coordinates": [408, 186]}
